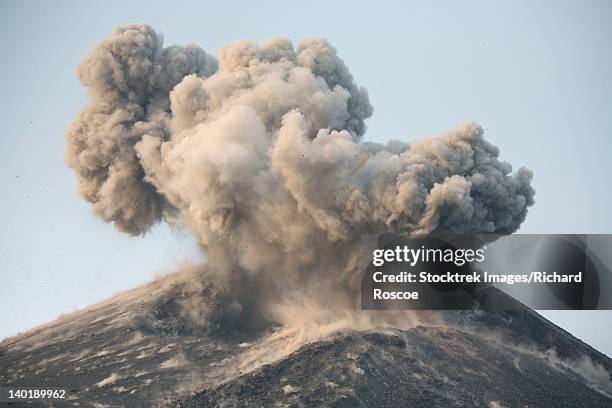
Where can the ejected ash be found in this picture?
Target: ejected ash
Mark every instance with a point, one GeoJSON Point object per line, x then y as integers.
{"type": "Point", "coordinates": [259, 153]}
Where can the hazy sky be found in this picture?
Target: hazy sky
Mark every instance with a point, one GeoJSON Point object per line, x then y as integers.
{"type": "Point", "coordinates": [537, 75]}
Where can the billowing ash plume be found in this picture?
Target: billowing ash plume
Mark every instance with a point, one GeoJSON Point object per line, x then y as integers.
{"type": "Point", "coordinates": [129, 77]}
{"type": "Point", "coordinates": [260, 156]}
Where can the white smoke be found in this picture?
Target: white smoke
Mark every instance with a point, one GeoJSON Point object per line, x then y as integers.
{"type": "Point", "coordinates": [260, 156]}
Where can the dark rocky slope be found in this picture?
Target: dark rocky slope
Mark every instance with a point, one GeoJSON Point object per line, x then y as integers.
{"type": "Point", "coordinates": [422, 367]}
{"type": "Point", "coordinates": [141, 349]}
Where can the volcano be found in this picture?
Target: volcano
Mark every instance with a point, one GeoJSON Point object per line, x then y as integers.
{"type": "Point", "coordinates": [140, 349]}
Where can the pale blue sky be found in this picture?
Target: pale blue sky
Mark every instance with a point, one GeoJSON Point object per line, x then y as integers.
{"type": "Point", "coordinates": [536, 74]}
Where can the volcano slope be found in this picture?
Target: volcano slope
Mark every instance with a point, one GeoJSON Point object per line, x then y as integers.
{"type": "Point", "coordinates": [158, 345]}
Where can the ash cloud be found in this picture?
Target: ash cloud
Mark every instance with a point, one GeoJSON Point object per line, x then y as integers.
{"type": "Point", "coordinates": [260, 155]}
{"type": "Point", "coordinates": [128, 78]}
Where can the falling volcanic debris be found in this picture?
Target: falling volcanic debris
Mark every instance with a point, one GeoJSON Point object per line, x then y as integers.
{"type": "Point", "coordinates": [260, 155]}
